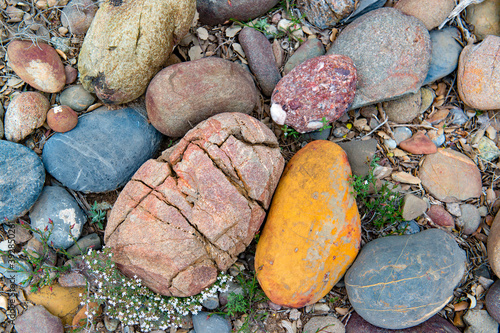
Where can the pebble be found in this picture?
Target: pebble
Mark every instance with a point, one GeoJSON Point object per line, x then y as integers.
{"type": "Point", "coordinates": [61, 43]}
{"type": "Point", "coordinates": [91, 241]}
{"type": "Point", "coordinates": [311, 48]}
{"type": "Point", "coordinates": [71, 74]}
{"type": "Point", "coordinates": [173, 96]}
{"type": "Point", "coordinates": [404, 109]}
{"type": "Point", "coordinates": [25, 113]}
{"type": "Point", "coordinates": [478, 77]}
{"type": "Point", "coordinates": [315, 93]}
{"type": "Point", "coordinates": [233, 287]}
{"type": "Point", "coordinates": [431, 12]}
{"type": "Point", "coordinates": [430, 265]}
{"type": "Point", "coordinates": [111, 324]}
{"type": "Point", "coordinates": [406, 178]}
{"type": "Point", "coordinates": [493, 246]}
{"type": "Point", "coordinates": [390, 143]}
{"type": "Point", "coordinates": [384, 74]}
{"type": "Point", "coordinates": [205, 322]}
{"type": "Point", "coordinates": [358, 153]}
{"type": "Point", "coordinates": [325, 14]}
{"type": "Point", "coordinates": [493, 300]}
{"type": "Point", "coordinates": [428, 96]}
{"type": "Point", "coordinates": [457, 117]}
{"type": "Point", "coordinates": [445, 53]}
{"type": "Point", "coordinates": [21, 234]}
{"type": "Point", "coordinates": [469, 220]}
{"type": "Point", "coordinates": [401, 134]}
{"type": "Point", "coordinates": [56, 204]}
{"type": "Point", "coordinates": [488, 149]}
{"type": "Point", "coordinates": [317, 135]}
{"type": "Point", "coordinates": [437, 139]}
{"type": "Point", "coordinates": [72, 279]}
{"type": "Point", "coordinates": [22, 179]}
{"type": "Point", "coordinates": [440, 216]}
{"type": "Point", "coordinates": [408, 227]}
{"type": "Point", "coordinates": [479, 321]}
{"type": "Point", "coordinates": [435, 324]}
{"type": "Point", "coordinates": [419, 143]}
{"type": "Point", "coordinates": [19, 272]}
{"type": "Point", "coordinates": [324, 324]}
{"type": "Point", "coordinates": [450, 176]}
{"type": "Point", "coordinates": [260, 58]}
{"type": "Point", "coordinates": [454, 208]}
{"type": "Point", "coordinates": [98, 155]}
{"type": "Point", "coordinates": [363, 7]}
{"type": "Point", "coordinates": [485, 18]}
{"type": "Point", "coordinates": [38, 319]}
{"type": "Point", "coordinates": [213, 12]}
{"type": "Point", "coordinates": [413, 207]}
{"type": "Point", "coordinates": [491, 132]}
{"type": "Point", "coordinates": [62, 119]}
{"type": "Point", "coordinates": [77, 98]}
{"type": "Point", "coordinates": [211, 302]}
{"type": "Point", "coordinates": [38, 65]}
{"type": "Point", "coordinates": [340, 132]}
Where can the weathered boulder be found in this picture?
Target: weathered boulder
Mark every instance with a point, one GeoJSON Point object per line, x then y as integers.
{"type": "Point", "coordinates": [182, 95]}
{"type": "Point", "coordinates": [128, 42]}
{"type": "Point", "coordinates": [37, 64]}
{"type": "Point", "coordinates": [190, 213]}
{"type": "Point", "coordinates": [315, 93]}
{"type": "Point", "coordinates": [312, 232]}
{"type": "Point", "coordinates": [478, 76]}
{"type": "Point", "coordinates": [25, 113]}
{"type": "Point", "coordinates": [401, 281]}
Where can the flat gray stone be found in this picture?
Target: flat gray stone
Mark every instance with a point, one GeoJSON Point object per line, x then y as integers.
{"type": "Point", "coordinates": [206, 322]}
{"type": "Point", "coordinates": [359, 153]}
{"type": "Point", "coordinates": [91, 241]}
{"type": "Point", "coordinates": [445, 52]}
{"type": "Point", "coordinates": [391, 51]}
{"type": "Point", "coordinates": [401, 281]}
{"type": "Point", "coordinates": [479, 321]}
{"type": "Point", "coordinates": [76, 97]}
{"type": "Point", "coordinates": [38, 319]}
{"type": "Point", "coordinates": [470, 218]}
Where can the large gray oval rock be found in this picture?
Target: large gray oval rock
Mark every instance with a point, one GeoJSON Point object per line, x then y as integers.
{"type": "Point", "coordinates": [128, 42]}
{"type": "Point", "coordinates": [57, 205]}
{"type": "Point", "coordinates": [182, 95]}
{"type": "Point", "coordinates": [21, 176]}
{"type": "Point", "coordinates": [401, 281]}
{"type": "Point", "coordinates": [450, 176]}
{"type": "Point", "coordinates": [103, 151]}
{"type": "Point", "coordinates": [391, 51]}
{"type": "Point", "coordinates": [214, 12]}
{"type": "Point", "coordinates": [190, 213]}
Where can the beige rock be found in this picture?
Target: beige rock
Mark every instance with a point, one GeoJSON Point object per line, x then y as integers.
{"type": "Point", "coordinates": [25, 113]}
{"type": "Point", "coordinates": [478, 78]}
{"type": "Point", "coordinates": [493, 246]}
{"type": "Point", "coordinates": [485, 17]}
{"type": "Point", "coordinates": [413, 207]}
{"type": "Point", "coordinates": [431, 12]}
{"type": "Point", "coordinates": [404, 177]}
{"type": "Point", "coordinates": [127, 43]}
{"type": "Point", "coordinates": [450, 176]}
{"type": "Point", "coordinates": [404, 109]}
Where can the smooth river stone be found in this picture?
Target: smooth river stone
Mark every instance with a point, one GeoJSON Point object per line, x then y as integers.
{"type": "Point", "coordinates": [103, 151]}
{"type": "Point", "coordinates": [494, 246]}
{"type": "Point", "coordinates": [214, 12]}
{"type": "Point", "coordinates": [398, 282]}
{"type": "Point", "coordinates": [391, 51]}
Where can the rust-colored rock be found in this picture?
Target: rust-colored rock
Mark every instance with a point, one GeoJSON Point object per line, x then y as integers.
{"type": "Point", "coordinates": [431, 12]}
{"type": "Point", "coordinates": [450, 176]}
{"type": "Point", "coordinates": [321, 87]}
{"type": "Point", "coordinates": [440, 216]}
{"type": "Point", "coordinates": [312, 232]}
{"type": "Point", "coordinates": [62, 119]}
{"type": "Point", "coordinates": [478, 77]}
{"type": "Point", "coordinates": [493, 246]}
{"type": "Point", "coordinates": [190, 213]}
{"type": "Point", "coordinates": [182, 95]}
{"type": "Point", "coordinates": [37, 64]}
{"type": "Point", "coordinates": [25, 113]}
{"type": "Point", "coordinates": [127, 44]}
{"type": "Point", "coordinates": [419, 143]}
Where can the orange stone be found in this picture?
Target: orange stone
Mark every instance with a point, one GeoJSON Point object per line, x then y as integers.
{"type": "Point", "coordinates": [62, 119]}
{"type": "Point", "coordinates": [81, 317]}
{"type": "Point", "coordinates": [312, 234]}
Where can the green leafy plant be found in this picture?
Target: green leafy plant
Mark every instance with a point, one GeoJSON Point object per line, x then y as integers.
{"type": "Point", "coordinates": [379, 202]}
{"type": "Point", "coordinates": [97, 215]}
{"type": "Point", "coordinates": [290, 132]}
{"type": "Point", "coordinates": [325, 126]}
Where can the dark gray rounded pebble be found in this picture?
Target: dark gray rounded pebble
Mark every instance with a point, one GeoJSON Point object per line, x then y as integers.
{"type": "Point", "coordinates": [21, 177]}
{"type": "Point", "coordinates": [57, 205]}
{"type": "Point", "coordinates": [206, 322]}
{"type": "Point", "coordinates": [103, 151]}
{"type": "Point", "coordinates": [214, 12]}
{"type": "Point", "coordinates": [398, 282]}
{"type": "Point", "coordinates": [408, 227]}
{"type": "Point", "coordinates": [91, 241]}
{"type": "Point", "coordinates": [493, 301]}
{"type": "Point", "coordinates": [260, 58]}
{"type": "Point", "coordinates": [77, 98]}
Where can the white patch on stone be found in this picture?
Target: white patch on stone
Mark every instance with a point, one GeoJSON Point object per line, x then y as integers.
{"type": "Point", "coordinates": [69, 217]}
{"type": "Point", "coordinates": [58, 109]}
{"type": "Point", "coordinates": [42, 74]}
{"type": "Point", "coordinates": [278, 114]}
{"type": "Point", "coordinates": [315, 124]}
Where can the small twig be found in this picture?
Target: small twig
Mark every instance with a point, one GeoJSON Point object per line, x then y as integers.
{"type": "Point", "coordinates": [376, 128]}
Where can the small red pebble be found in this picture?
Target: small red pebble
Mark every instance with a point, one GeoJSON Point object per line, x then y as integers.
{"type": "Point", "coordinates": [62, 119]}
{"type": "Point", "coordinates": [314, 93]}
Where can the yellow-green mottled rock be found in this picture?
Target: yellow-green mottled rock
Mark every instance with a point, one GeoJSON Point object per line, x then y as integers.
{"type": "Point", "coordinates": [127, 44]}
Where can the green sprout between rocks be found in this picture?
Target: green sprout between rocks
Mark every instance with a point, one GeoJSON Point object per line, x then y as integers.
{"type": "Point", "coordinates": [41, 273]}
{"type": "Point", "coordinates": [379, 202]}
{"type": "Point", "coordinates": [97, 215]}
{"type": "Point", "coordinates": [288, 131]}
{"type": "Point", "coordinates": [129, 301]}
{"type": "Point", "coordinates": [325, 125]}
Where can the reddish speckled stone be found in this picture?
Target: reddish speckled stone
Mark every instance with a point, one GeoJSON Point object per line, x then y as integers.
{"type": "Point", "coordinates": [319, 87]}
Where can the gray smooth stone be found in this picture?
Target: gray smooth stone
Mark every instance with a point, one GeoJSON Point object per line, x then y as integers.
{"type": "Point", "coordinates": [400, 281]}
{"type": "Point", "coordinates": [358, 153]}
{"type": "Point", "coordinates": [205, 322]}
{"type": "Point", "coordinates": [480, 321]}
{"type": "Point", "coordinates": [38, 319]}
{"type": "Point", "coordinates": [21, 177]}
{"type": "Point", "coordinates": [77, 98]}
{"type": "Point", "coordinates": [103, 151]}
{"type": "Point", "coordinates": [57, 205]}
{"type": "Point", "coordinates": [91, 241]}
{"type": "Point", "coordinates": [363, 7]}
{"type": "Point", "coordinates": [470, 218]}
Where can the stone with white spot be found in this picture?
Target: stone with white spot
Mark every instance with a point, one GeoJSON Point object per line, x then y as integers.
{"type": "Point", "coordinates": [56, 210]}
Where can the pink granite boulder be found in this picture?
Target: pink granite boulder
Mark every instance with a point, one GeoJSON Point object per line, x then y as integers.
{"type": "Point", "coordinates": [189, 213]}
{"type": "Point", "coordinates": [316, 92]}
{"type": "Point", "coordinates": [38, 65]}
